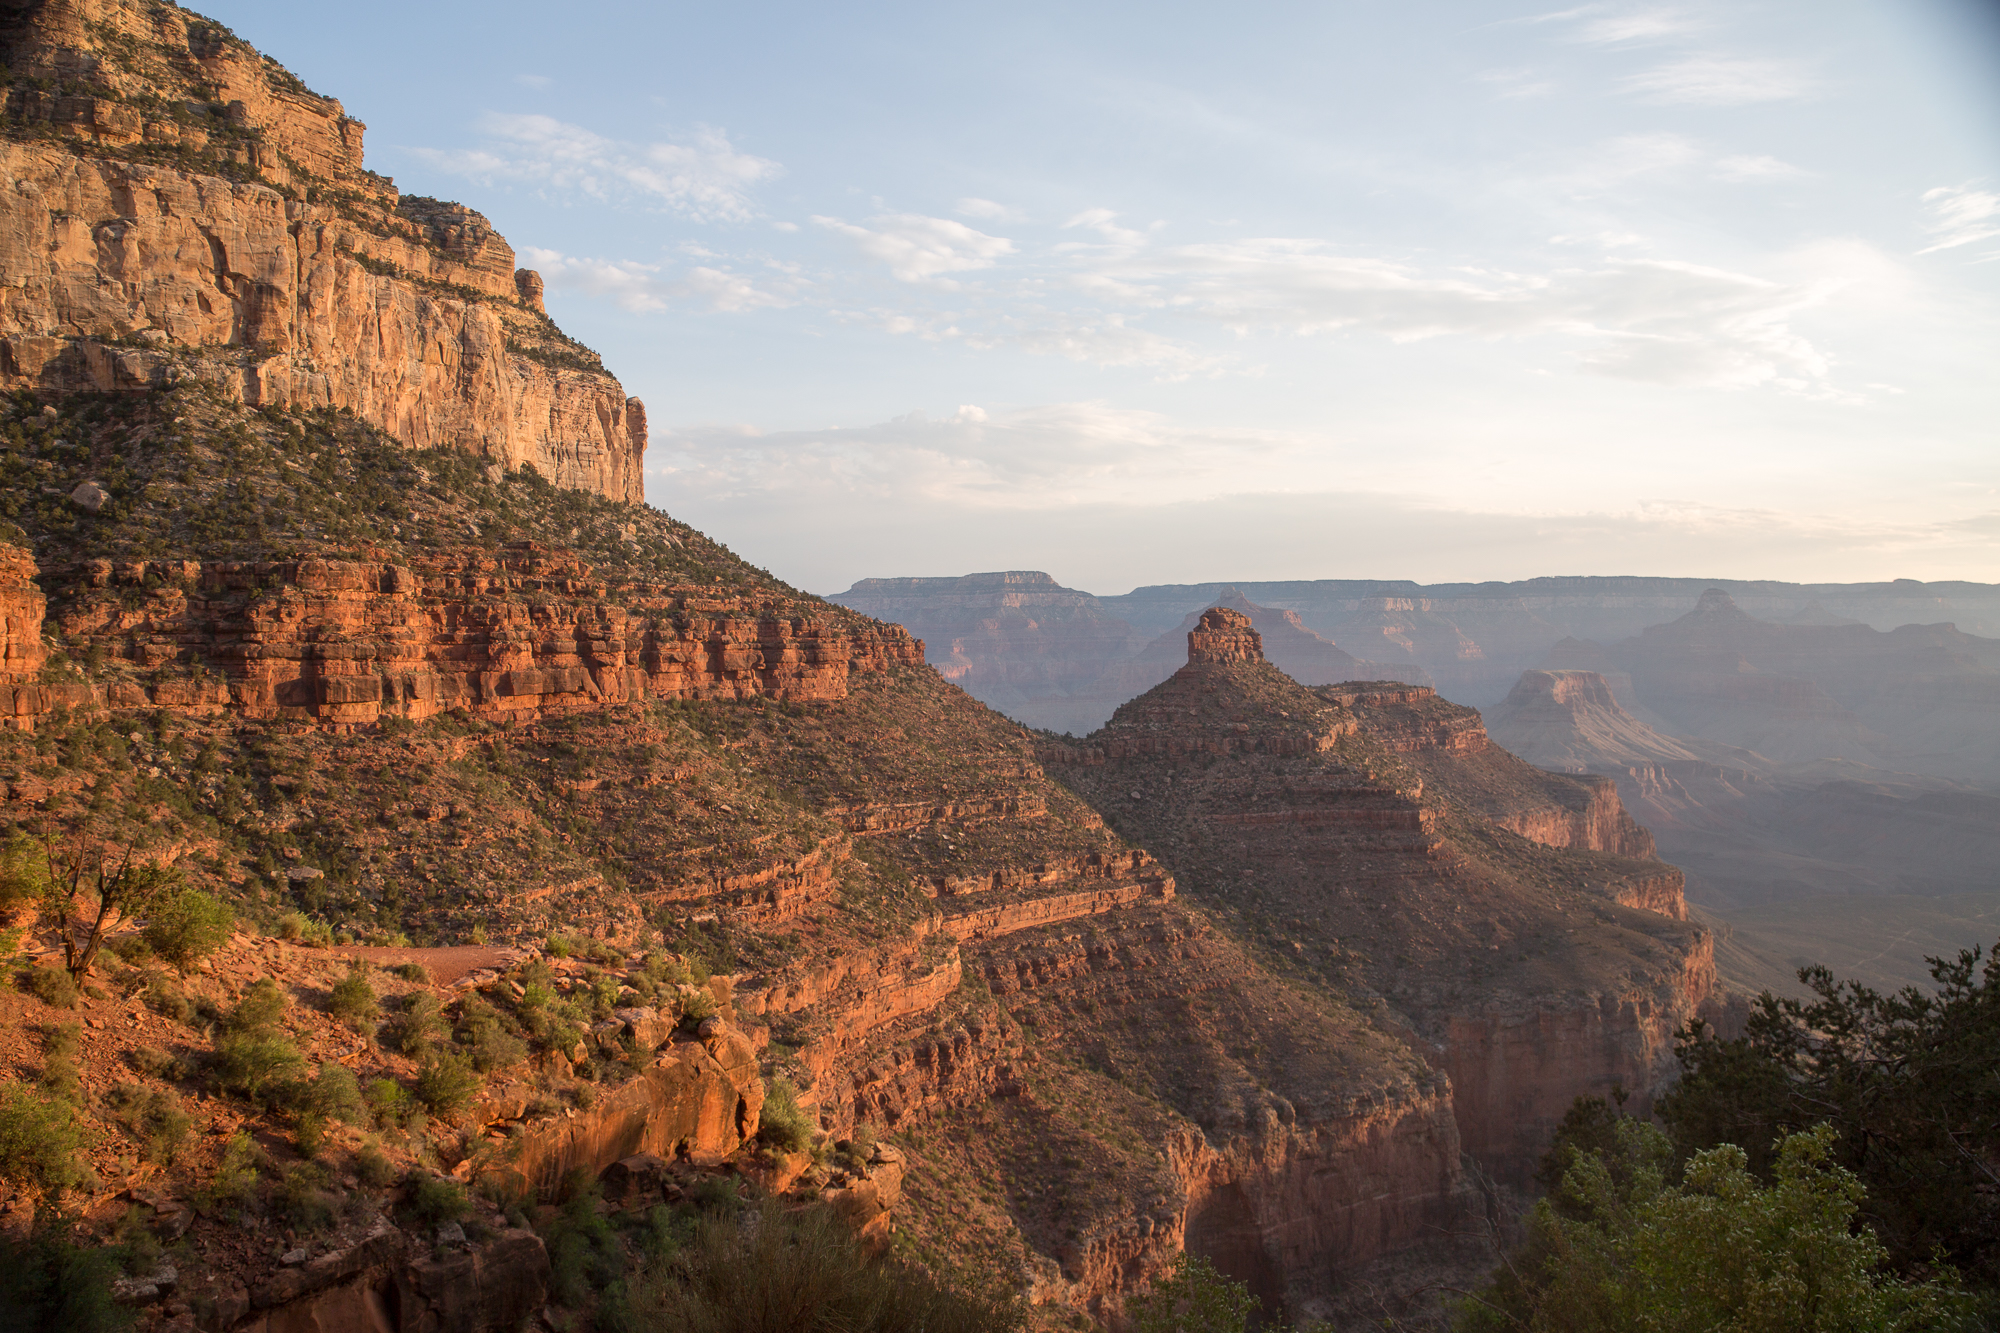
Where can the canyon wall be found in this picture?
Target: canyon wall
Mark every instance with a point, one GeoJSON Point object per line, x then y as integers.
{"type": "Point", "coordinates": [345, 643]}
{"type": "Point", "coordinates": [179, 206]}
{"type": "Point", "coordinates": [1515, 922]}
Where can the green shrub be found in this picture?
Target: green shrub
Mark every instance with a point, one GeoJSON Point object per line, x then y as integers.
{"type": "Point", "coordinates": [1194, 1299]}
{"type": "Point", "coordinates": [301, 1196]}
{"type": "Point", "coordinates": [156, 1063]}
{"type": "Point", "coordinates": [420, 1026]}
{"type": "Point", "coordinates": [132, 950]}
{"type": "Point", "coordinates": [165, 999]}
{"type": "Point", "coordinates": [51, 985]}
{"type": "Point", "coordinates": [51, 1284]}
{"type": "Point", "coordinates": [353, 999]}
{"type": "Point", "coordinates": [234, 1183]}
{"type": "Point", "coordinates": [800, 1271]}
{"type": "Point", "coordinates": [435, 1200]}
{"type": "Point", "coordinates": [585, 1256]}
{"type": "Point", "coordinates": [698, 1006]}
{"type": "Point", "coordinates": [308, 1133]}
{"type": "Point", "coordinates": [154, 1116]}
{"type": "Point", "coordinates": [43, 1145]}
{"type": "Point", "coordinates": [391, 1103]}
{"type": "Point", "coordinates": [445, 1083]}
{"type": "Point", "coordinates": [260, 1065]}
{"type": "Point", "coordinates": [1623, 1244]}
{"type": "Point", "coordinates": [292, 925]}
{"type": "Point", "coordinates": [413, 972]}
{"type": "Point", "coordinates": [372, 1167]}
{"type": "Point", "coordinates": [260, 1008]}
{"type": "Point", "coordinates": [336, 1094]}
{"type": "Point", "coordinates": [60, 1045]}
{"type": "Point", "coordinates": [559, 946]}
{"type": "Point", "coordinates": [188, 927]}
{"type": "Point", "coordinates": [484, 1036]}
{"type": "Point", "coordinates": [783, 1124]}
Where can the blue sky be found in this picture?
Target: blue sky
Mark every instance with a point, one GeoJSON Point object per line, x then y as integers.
{"type": "Point", "coordinates": [1154, 293]}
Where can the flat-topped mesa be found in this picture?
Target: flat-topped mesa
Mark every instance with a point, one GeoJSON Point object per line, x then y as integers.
{"type": "Point", "coordinates": [1224, 638]}
{"type": "Point", "coordinates": [182, 208]}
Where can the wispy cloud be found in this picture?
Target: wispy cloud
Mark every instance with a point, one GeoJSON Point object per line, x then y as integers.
{"type": "Point", "coordinates": [1713, 80]}
{"type": "Point", "coordinates": [1658, 321]}
{"type": "Point", "coordinates": [1601, 25]}
{"type": "Point", "coordinates": [1960, 215]}
{"type": "Point", "coordinates": [973, 207]}
{"type": "Point", "coordinates": [1022, 458]}
{"type": "Point", "coordinates": [1753, 167]}
{"type": "Point", "coordinates": [702, 177]}
{"type": "Point", "coordinates": [535, 81]}
{"type": "Point", "coordinates": [646, 288]}
{"type": "Point", "coordinates": [922, 249]}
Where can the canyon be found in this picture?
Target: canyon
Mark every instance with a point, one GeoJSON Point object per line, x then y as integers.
{"type": "Point", "coordinates": [325, 580]}
{"type": "Point", "coordinates": [1471, 641]}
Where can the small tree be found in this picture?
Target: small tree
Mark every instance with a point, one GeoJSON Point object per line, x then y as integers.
{"type": "Point", "coordinates": [1195, 1299]}
{"type": "Point", "coordinates": [188, 926]}
{"type": "Point", "coordinates": [1621, 1245]}
{"type": "Point", "coordinates": [79, 871]}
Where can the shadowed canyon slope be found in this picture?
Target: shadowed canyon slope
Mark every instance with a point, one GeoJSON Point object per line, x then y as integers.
{"type": "Point", "coordinates": [179, 205]}
{"type": "Point", "coordinates": [1513, 921]}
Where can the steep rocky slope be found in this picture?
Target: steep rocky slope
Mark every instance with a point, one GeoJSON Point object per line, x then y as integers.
{"type": "Point", "coordinates": [181, 206]}
{"type": "Point", "coordinates": [1510, 920]}
{"type": "Point", "coordinates": [342, 703]}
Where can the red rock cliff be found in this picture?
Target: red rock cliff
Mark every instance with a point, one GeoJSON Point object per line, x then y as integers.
{"type": "Point", "coordinates": [178, 205]}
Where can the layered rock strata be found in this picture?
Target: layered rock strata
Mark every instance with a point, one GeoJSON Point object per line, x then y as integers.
{"type": "Point", "coordinates": [1513, 920]}
{"type": "Point", "coordinates": [180, 206]}
{"type": "Point", "coordinates": [342, 643]}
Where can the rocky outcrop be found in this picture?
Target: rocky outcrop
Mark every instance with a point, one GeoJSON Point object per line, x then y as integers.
{"type": "Point", "coordinates": [1223, 637]}
{"type": "Point", "coordinates": [1514, 919]}
{"type": "Point", "coordinates": [195, 212]}
{"type": "Point", "coordinates": [382, 1283]}
{"type": "Point", "coordinates": [518, 634]}
{"type": "Point", "coordinates": [698, 1101]}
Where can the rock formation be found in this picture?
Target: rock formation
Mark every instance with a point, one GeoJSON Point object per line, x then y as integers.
{"type": "Point", "coordinates": [1051, 657]}
{"type": "Point", "coordinates": [1513, 922]}
{"type": "Point", "coordinates": [180, 206]}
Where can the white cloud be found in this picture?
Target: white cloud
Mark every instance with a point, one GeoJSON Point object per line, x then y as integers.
{"type": "Point", "coordinates": [1752, 167]}
{"type": "Point", "coordinates": [973, 207]}
{"type": "Point", "coordinates": [1517, 83]}
{"type": "Point", "coordinates": [647, 288]}
{"type": "Point", "coordinates": [535, 81]}
{"type": "Point", "coordinates": [922, 249]}
{"type": "Point", "coordinates": [1019, 458]}
{"type": "Point", "coordinates": [703, 177]}
{"type": "Point", "coordinates": [1105, 223]}
{"type": "Point", "coordinates": [1655, 320]}
{"type": "Point", "coordinates": [1960, 215]}
{"type": "Point", "coordinates": [1710, 80]}
{"type": "Point", "coordinates": [1636, 25]}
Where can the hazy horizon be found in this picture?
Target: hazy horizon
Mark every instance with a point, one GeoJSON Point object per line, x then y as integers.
{"type": "Point", "coordinates": [1448, 293]}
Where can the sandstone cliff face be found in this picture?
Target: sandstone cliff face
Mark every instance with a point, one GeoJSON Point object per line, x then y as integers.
{"type": "Point", "coordinates": [192, 211]}
{"type": "Point", "coordinates": [1514, 919]}
{"type": "Point", "coordinates": [343, 643]}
